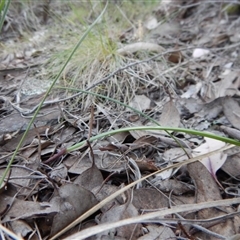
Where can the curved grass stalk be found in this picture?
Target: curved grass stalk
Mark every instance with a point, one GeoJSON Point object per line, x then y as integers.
{"type": "Point", "coordinates": [47, 93]}
{"type": "Point", "coordinates": [156, 128]}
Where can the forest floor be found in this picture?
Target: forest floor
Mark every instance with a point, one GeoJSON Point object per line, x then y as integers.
{"type": "Point", "coordinates": [87, 168]}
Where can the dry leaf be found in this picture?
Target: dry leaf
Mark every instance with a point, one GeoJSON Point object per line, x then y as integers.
{"type": "Point", "coordinates": [211, 110]}
{"type": "Point", "coordinates": [232, 165]}
{"type": "Point", "coordinates": [231, 110]}
{"type": "Point", "coordinates": [140, 102]}
{"type": "Point", "coordinates": [90, 178]}
{"type": "Point", "coordinates": [12, 144]}
{"type": "Point", "coordinates": [208, 190]}
{"type": "Point", "coordinates": [175, 57]}
{"type": "Point", "coordinates": [172, 185]}
{"type": "Point", "coordinates": [21, 209]}
{"type": "Point", "coordinates": [229, 83]}
{"type": "Point", "coordinates": [170, 116]}
{"type": "Point", "coordinates": [158, 232]}
{"type": "Point", "coordinates": [105, 191]}
{"type": "Point", "coordinates": [231, 132]}
{"type": "Point", "coordinates": [215, 161]}
{"type": "Point", "coordinates": [73, 201]}
{"type": "Point", "coordinates": [175, 154]}
{"type": "Point", "coordinates": [118, 213]}
{"type": "Point", "coordinates": [166, 174]}
{"type": "Point", "coordinates": [21, 228]}
{"type": "Point", "coordinates": [58, 173]}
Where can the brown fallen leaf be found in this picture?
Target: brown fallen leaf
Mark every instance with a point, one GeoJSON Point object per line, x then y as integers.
{"type": "Point", "coordinates": [72, 201]}
{"type": "Point", "coordinates": [145, 198]}
{"type": "Point", "coordinates": [21, 209]}
{"type": "Point", "coordinates": [175, 57]}
{"type": "Point", "coordinates": [12, 144]}
{"type": "Point", "coordinates": [146, 165]}
{"type": "Point", "coordinates": [207, 190]}
{"type": "Point", "coordinates": [90, 178]}
{"type": "Point", "coordinates": [232, 165]}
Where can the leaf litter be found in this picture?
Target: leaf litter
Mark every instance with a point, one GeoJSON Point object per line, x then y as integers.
{"type": "Point", "coordinates": [174, 72]}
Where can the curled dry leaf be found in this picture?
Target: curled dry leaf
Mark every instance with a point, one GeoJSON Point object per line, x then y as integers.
{"type": "Point", "coordinates": [215, 161]}
{"type": "Point", "coordinates": [175, 57]}
{"type": "Point", "coordinates": [166, 174]}
{"type": "Point", "coordinates": [133, 118]}
{"type": "Point", "coordinates": [58, 173]}
{"type": "Point", "coordinates": [146, 165]}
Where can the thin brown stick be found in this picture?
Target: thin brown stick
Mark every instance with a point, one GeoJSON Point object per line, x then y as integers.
{"type": "Point", "coordinates": [56, 156]}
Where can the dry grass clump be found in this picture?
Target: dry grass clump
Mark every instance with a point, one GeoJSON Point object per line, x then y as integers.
{"type": "Point", "coordinates": [99, 55]}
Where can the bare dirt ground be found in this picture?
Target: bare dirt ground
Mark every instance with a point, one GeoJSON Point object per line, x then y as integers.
{"type": "Point", "coordinates": [169, 63]}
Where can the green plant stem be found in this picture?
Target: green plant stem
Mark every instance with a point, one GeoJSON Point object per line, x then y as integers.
{"type": "Point", "coordinates": [4, 5]}
{"type": "Point", "coordinates": [156, 128]}
{"type": "Point", "coordinates": [47, 93]}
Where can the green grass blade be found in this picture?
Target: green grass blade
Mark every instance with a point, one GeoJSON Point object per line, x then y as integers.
{"type": "Point", "coordinates": [4, 5]}
{"type": "Point", "coordinates": [155, 128]}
